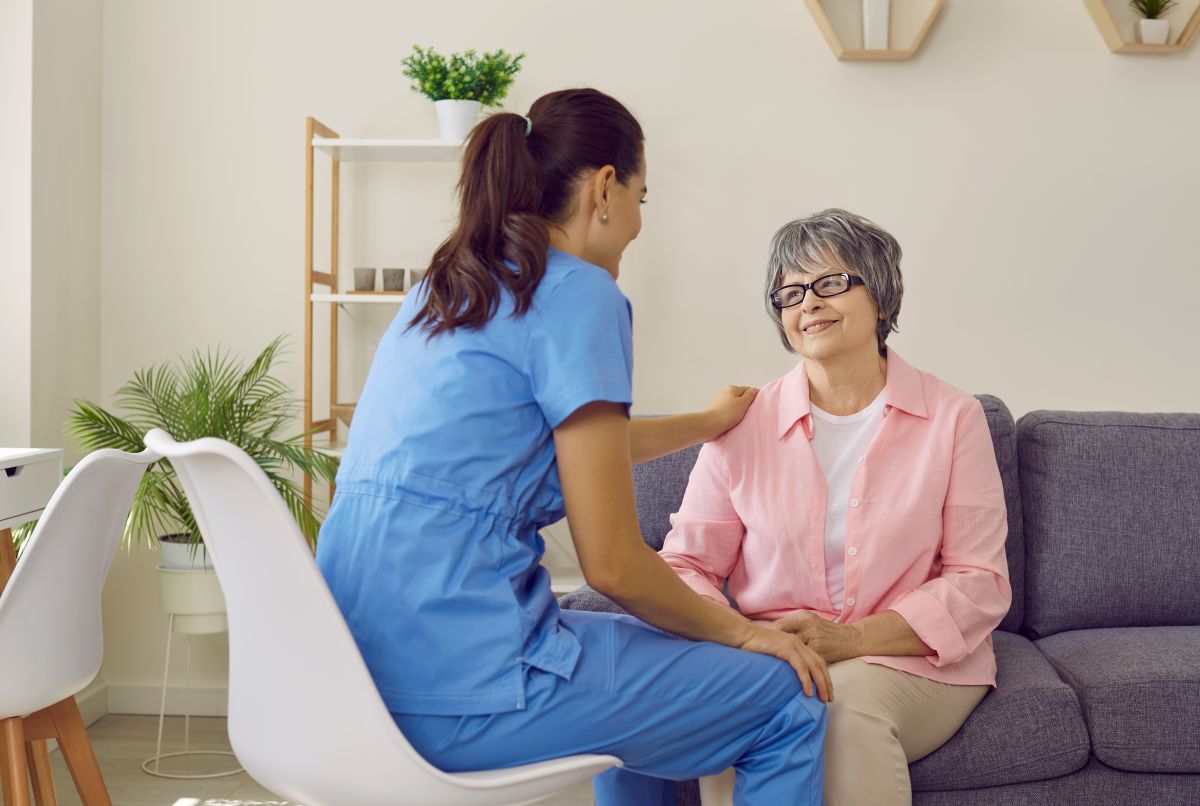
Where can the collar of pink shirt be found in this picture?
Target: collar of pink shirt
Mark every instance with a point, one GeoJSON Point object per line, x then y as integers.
{"type": "Point", "coordinates": [903, 390]}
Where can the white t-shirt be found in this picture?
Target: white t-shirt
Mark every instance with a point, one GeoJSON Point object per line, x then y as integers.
{"type": "Point", "coordinates": [840, 444]}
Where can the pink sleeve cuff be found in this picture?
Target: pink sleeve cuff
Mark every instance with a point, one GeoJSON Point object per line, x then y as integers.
{"type": "Point", "coordinates": [697, 582]}
{"type": "Point", "coordinates": [933, 624]}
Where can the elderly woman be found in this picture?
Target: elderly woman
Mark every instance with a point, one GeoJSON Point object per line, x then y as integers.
{"type": "Point", "coordinates": [859, 506]}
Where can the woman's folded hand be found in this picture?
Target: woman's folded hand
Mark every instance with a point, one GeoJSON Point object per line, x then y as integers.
{"type": "Point", "coordinates": [832, 641]}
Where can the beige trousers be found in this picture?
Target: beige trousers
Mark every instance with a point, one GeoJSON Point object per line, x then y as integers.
{"type": "Point", "coordinates": [880, 721]}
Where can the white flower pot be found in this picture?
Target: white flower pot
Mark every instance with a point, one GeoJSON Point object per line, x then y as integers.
{"type": "Point", "coordinates": [457, 118]}
{"type": "Point", "coordinates": [194, 598]}
{"type": "Point", "coordinates": [1154, 32]}
{"type": "Point", "coordinates": [183, 556]}
{"type": "Point", "coordinates": [876, 23]}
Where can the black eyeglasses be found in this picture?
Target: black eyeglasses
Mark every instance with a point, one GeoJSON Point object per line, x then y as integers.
{"type": "Point", "coordinates": [828, 286]}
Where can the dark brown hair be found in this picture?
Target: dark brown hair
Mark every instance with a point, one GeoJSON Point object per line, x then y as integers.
{"type": "Point", "coordinates": [514, 186]}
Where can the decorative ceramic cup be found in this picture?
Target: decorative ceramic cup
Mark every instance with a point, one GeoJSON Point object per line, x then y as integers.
{"type": "Point", "coordinates": [364, 279]}
{"type": "Point", "coordinates": [393, 279]}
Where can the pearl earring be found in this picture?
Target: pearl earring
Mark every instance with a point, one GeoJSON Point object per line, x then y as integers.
{"type": "Point", "coordinates": [604, 218]}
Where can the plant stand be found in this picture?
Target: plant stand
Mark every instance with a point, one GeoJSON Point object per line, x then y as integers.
{"type": "Point", "coordinates": [194, 604]}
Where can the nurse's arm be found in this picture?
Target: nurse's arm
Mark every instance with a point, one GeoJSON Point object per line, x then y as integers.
{"type": "Point", "coordinates": [593, 456]}
{"type": "Point", "coordinates": [659, 436]}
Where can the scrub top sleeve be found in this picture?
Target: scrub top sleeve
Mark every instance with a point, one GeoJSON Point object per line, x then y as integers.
{"type": "Point", "coordinates": [580, 347]}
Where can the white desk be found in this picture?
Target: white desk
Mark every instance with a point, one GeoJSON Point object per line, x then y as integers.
{"type": "Point", "coordinates": [28, 477]}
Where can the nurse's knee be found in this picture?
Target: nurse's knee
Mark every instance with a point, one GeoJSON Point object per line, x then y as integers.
{"type": "Point", "coordinates": [800, 713]}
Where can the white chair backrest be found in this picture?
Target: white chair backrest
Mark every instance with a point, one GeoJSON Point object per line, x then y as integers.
{"type": "Point", "coordinates": [51, 636]}
{"type": "Point", "coordinates": [300, 696]}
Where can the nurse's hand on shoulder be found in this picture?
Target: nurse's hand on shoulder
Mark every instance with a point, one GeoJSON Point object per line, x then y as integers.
{"type": "Point", "coordinates": [728, 408]}
{"type": "Point", "coordinates": [809, 666]}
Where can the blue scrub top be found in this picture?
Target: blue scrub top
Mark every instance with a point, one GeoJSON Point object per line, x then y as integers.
{"type": "Point", "coordinates": [431, 545]}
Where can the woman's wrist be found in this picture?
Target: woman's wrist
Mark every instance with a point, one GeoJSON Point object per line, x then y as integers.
{"type": "Point", "coordinates": [856, 641]}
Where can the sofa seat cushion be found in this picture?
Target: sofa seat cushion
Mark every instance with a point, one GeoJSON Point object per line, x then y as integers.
{"type": "Point", "coordinates": [1027, 729]}
{"type": "Point", "coordinates": [1140, 693]}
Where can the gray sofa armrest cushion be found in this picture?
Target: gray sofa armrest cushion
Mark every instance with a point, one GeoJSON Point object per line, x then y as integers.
{"type": "Point", "coordinates": [1004, 441]}
{"type": "Point", "coordinates": [587, 598]}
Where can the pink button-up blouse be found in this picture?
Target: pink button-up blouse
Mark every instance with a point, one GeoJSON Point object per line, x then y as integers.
{"type": "Point", "coordinates": [925, 526]}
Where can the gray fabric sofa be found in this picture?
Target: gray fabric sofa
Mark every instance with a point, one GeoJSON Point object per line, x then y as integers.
{"type": "Point", "coordinates": [1098, 683]}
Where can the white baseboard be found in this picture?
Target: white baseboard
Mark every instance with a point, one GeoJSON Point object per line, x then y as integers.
{"type": "Point", "coordinates": [212, 701]}
{"type": "Point", "coordinates": [93, 703]}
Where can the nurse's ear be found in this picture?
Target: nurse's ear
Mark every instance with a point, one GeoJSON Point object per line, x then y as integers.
{"type": "Point", "coordinates": [601, 186]}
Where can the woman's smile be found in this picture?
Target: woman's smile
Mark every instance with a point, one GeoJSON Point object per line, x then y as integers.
{"type": "Point", "coordinates": [818, 326]}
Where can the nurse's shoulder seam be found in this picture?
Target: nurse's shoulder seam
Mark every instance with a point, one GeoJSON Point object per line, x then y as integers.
{"type": "Point", "coordinates": [581, 283]}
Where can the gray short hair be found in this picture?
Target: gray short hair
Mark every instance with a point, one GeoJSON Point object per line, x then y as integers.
{"type": "Point", "coordinates": [862, 246]}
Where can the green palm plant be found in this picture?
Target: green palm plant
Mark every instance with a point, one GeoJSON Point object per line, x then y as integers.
{"type": "Point", "coordinates": [206, 395]}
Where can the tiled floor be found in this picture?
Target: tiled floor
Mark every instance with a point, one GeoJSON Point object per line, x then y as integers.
{"type": "Point", "coordinates": [122, 743]}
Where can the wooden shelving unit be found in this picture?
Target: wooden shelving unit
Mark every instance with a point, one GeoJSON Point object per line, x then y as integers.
{"type": "Point", "coordinates": [1102, 16]}
{"type": "Point", "coordinates": [321, 286]}
{"type": "Point", "coordinates": [844, 54]}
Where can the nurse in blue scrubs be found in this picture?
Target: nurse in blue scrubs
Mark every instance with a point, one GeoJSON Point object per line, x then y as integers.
{"type": "Point", "coordinates": [498, 400]}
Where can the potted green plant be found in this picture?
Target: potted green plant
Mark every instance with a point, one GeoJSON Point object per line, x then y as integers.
{"type": "Point", "coordinates": [1153, 30]}
{"type": "Point", "coordinates": [462, 84]}
{"type": "Point", "coordinates": [207, 395]}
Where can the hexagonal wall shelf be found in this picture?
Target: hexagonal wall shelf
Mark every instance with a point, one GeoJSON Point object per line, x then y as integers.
{"type": "Point", "coordinates": [1117, 43]}
{"type": "Point", "coordinates": [845, 54]}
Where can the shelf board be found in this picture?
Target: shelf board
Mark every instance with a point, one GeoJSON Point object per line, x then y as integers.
{"type": "Point", "coordinates": [362, 297]}
{"type": "Point", "coordinates": [388, 149]}
{"type": "Point", "coordinates": [1137, 47]}
{"type": "Point", "coordinates": [875, 55]}
{"type": "Point", "coordinates": [336, 450]}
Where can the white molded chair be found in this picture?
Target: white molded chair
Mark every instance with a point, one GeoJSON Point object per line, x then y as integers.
{"type": "Point", "coordinates": [51, 636]}
{"type": "Point", "coordinates": [305, 718]}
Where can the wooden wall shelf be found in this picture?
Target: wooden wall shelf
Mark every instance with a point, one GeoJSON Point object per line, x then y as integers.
{"type": "Point", "coordinates": [1102, 16]}
{"type": "Point", "coordinates": [845, 54]}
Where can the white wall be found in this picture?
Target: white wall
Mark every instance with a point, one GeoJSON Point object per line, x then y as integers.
{"type": "Point", "coordinates": [16, 168]}
{"type": "Point", "coordinates": [1029, 173]}
{"type": "Point", "coordinates": [66, 213]}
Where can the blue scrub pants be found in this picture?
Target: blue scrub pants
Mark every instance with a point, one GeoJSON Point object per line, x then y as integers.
{"type": "Point", "coordinates": [671, 709]}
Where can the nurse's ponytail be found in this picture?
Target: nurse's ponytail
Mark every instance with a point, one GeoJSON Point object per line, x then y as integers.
{"type": "Point", "coordinates": [518, 178]}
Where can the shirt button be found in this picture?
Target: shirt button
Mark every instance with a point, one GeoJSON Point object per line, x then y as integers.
{"type": "Point", "coordinates": [853, 502]}
{"type": "Point", "coordinates": [853, 551]}
{"type": "Point", "coordinates": [850, 601]}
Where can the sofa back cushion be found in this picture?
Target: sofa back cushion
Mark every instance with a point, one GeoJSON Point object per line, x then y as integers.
{"type": "Point", "coordinates": [660, 485]}
{"type": "Point", "coordinates": [1111, 505]}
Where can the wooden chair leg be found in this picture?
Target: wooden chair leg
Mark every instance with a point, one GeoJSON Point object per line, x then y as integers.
{"type": "Point", "coordinates": [13, 764]}
{"type": "Point", "coordinates": [77, 752]}
{"type": "Point", "coordinates": [40, 772]}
